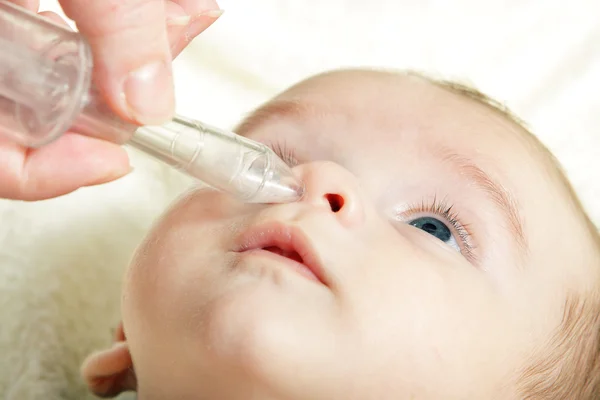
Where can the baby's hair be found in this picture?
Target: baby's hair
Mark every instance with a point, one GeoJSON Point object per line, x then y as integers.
{"type": "Point", "coordinates": [568, 366]}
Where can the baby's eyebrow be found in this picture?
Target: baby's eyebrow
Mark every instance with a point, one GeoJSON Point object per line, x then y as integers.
{"type": "Point", "coordinates": [499, 195]}
{"type": "Point", "coordinates": [276, 109]}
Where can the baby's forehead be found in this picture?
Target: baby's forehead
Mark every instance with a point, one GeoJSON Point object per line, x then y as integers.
{"type": "Point", "coordinates": [392, 116]}
{"type": "Point", "coordinates": [401, 109]}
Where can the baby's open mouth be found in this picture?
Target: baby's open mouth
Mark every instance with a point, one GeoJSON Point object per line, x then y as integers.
{"type": "Point", "coordinates": [294, 260]}
{"type": "Point", "coordinates": [285, 244]}
{"type": "Point", "coordinates": [293, 255]}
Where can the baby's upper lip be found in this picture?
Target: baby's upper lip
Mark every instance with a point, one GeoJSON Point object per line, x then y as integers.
{"type": "Point", "coordinates": [286, 237]}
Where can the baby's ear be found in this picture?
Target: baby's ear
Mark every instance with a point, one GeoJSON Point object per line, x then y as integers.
{"type": "Point", "coordinates": [110, 372]}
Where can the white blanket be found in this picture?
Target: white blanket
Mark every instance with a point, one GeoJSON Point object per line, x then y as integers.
{"type": "Point", "coordinates": [61, 260]}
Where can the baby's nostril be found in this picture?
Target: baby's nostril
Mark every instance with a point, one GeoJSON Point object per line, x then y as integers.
{"type": "Point", "coordinates": [336, 202]}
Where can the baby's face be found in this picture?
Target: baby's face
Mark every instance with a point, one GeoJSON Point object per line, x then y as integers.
{"type": "Point", "coordinates": [436, 252]}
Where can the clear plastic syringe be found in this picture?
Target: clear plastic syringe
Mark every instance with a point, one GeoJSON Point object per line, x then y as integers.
{"type": "Point", "coordinates": [46, 90]}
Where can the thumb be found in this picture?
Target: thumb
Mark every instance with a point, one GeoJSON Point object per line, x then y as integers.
{"type": "Point", "coordinates": [132, 60]}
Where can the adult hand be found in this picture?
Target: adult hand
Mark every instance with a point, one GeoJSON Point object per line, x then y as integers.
{"type": "Point", "coordinates": [133, 43]}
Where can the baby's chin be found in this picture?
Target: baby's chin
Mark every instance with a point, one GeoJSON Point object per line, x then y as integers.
{"type": "Point", "coordinates": [261, 324]}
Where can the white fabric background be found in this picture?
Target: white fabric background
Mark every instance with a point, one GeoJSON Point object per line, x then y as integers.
{"type": "Point", "coordinates": [61, 260]}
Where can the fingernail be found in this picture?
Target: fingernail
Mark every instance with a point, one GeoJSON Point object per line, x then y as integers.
{"type": "Point", "coordinates": [118, 345]}
{"type": "Point", "coordinates": [179, 21]}
{"type": "Point", "coordinates": [210, 13]}
{"type": "Point", "coordinates": [179, 39]}
{"type": "Point", "coordinates": [115, 174]}
{"type": "Point", "coordinates": [149, 94]}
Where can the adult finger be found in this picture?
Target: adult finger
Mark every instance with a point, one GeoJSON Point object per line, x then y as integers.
{"type": "Point", "coordinates": [197, 7]}
{"type": "Point", "coordinates": [202, 13]}
{"type": "Point", "coordinates": [132, 56]}
{"type": "Point", "coordinates": [54, 17]}
{"type": "Point", "coordinates": [177, 22]}
{"type": "Point", "coordinates": [32, 5]}
{"type": "Point", "coordinates": [61, 167]}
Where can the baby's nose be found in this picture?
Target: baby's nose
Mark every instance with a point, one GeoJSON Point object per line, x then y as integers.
{"type": "Point", "coordinates": [330, 186]}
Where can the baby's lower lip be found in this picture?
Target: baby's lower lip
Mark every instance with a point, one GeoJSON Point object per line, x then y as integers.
{"type": "Point", "coordinates": [297, 266]}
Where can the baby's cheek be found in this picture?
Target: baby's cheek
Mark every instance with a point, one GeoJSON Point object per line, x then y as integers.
{"type": "Point", "coordinates": [142, 273]}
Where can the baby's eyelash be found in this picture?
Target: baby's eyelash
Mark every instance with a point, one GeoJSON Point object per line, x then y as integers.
{"type": "Point", "coordinates": [446, 212]}
{"type": "Point", "coordinates": [284, 152]}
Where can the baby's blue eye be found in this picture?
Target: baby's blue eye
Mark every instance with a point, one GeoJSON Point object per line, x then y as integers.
{"type": "Point", "coordinates": [436, 228]}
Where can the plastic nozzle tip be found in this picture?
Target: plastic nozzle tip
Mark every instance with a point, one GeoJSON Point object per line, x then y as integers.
{"type": "Point", "coordinates": [281, 185]}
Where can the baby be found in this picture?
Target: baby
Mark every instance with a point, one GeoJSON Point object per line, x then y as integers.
{"type": "Point", "coordinates": [438, 253]}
